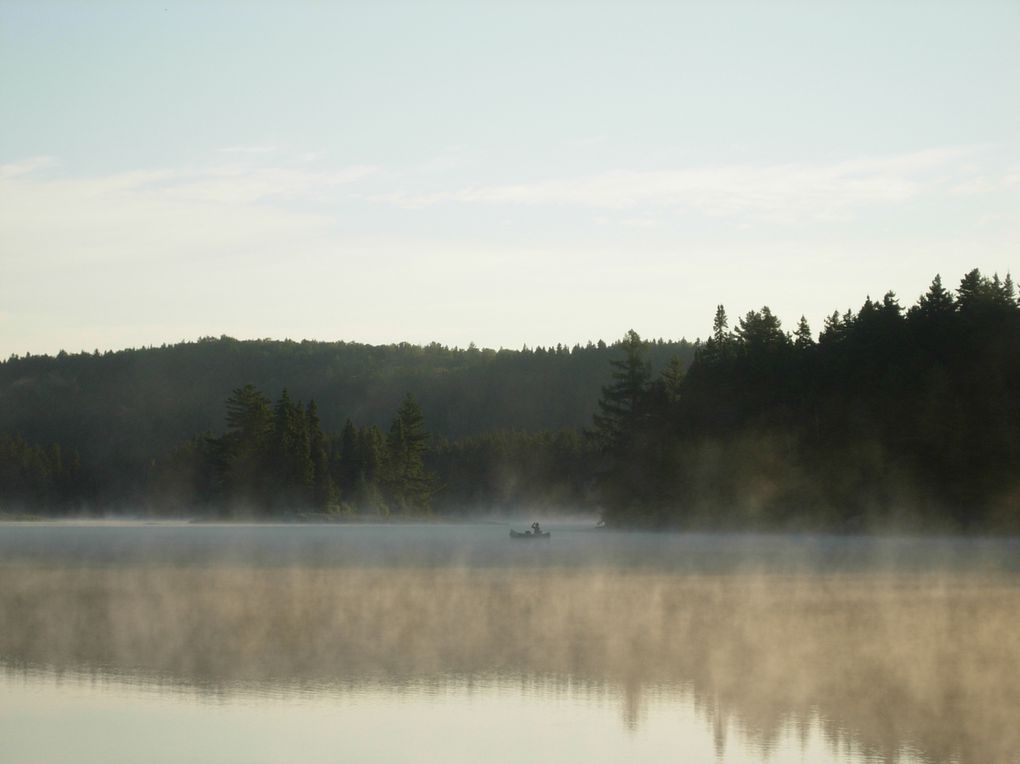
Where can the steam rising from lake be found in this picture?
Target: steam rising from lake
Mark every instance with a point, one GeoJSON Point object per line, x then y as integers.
{"type": "Point", "coordinates": [885, 646]}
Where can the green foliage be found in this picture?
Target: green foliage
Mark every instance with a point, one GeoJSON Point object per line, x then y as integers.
{"type": "Point", "coordinates": [122, 410]}
{"type": "Point", "coordinates": [409, 485]}
{"type": "Point", "coordinates": [672, 380]}
{"type": "Point", "coordinates": [242, 454]}
{"type": "Point", "coordinates": [889, 421]}
{"type": "Point", "coordinates": [803, 339]}
{"type": "Point", "coordinates": [935, 304]}
{"type": "Point", "coordinates": [279, 460]}
{"type": "Point", "coordinates": [760, 330]}
{"type": "Point", "coordinates": [621, 407]}
{"type": "Point", "coordinates": [324, 491]}
{"type": "Point", "coordinates": [628, 429]}
{"type": "Point", "coordinates": [504, 471]}
{"type": "Point", "coordinates": [33, 478]}
{"type": "Point", "coordinates": [290, 467]}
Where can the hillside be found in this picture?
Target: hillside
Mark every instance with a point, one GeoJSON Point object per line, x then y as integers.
{"type": "Point", "coordinates": [120, 410]}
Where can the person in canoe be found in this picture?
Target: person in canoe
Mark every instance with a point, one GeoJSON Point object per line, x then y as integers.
{"type": "Point", "coordinates": [536, 532]}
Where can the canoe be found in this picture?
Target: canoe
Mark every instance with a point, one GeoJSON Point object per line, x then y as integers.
{"type": "Point", "coordinates": [529, 535]}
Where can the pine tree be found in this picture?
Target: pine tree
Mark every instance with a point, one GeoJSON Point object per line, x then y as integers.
{"type": "Point", "coordinates": [1009, 290]}
{"type": "Point", "coordinates": [980, 296]}
{"type": "Point", "coordinates": [292, 465]}
{"type": "Point", "coordinates": [248, 414]}
{"type": "Point", "coordinates": [372, 454]}
{"type": "Point", "coordinates": [760, 329]}
{"type": "Point", "coordinates": [720, 327]}
{"type": "Point", "coordinates": [348, 467]}
{"type": "Point", "coordinates": [621, 406]}
{"type": "Point", "coordinates": [405, 446]}
{"type": "Point", "coordinates": [672, 379]}
{"type": "Point", "coordinates": [718, 346]}
{"type": "Point", "coordinates": [324, 491]}
{"type": "Point", "coordinates": [891, 305]}
{"type": "Point", "coordinates": [803, 338]}
{"type": "Point", "coordinates": [242, 454]}
{"type": "Point", "coordinates": [833, 330]}
{"type": "Point", "coordinates": [972, 290]}
{"type": "Point", "coordinates": [936, 303]}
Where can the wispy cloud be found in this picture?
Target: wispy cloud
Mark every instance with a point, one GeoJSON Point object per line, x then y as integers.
{"type": "Point", "coordinates": [780, 192]}
{"type": "Point", "coordinates": [255, 149]}
{"type": "Point", "coordinates": [219, 184]}
{"type": "Point", "coordinates": [230, 185]}
{"type": "Point", "coordinates": [176, 213]}
{"type": "Point", "coordinates": [202, 245]}
{"type": "Point", "coordinates": [26, 167]}
{"type": "Point", "coordinates": [587, 142]}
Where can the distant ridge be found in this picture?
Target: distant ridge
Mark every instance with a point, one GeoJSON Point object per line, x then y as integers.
{"type": "Point", "coordinates": [120, 409]}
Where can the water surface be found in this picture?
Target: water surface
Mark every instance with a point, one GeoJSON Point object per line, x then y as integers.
{"type": "Point", "coordinates": [454, 643]}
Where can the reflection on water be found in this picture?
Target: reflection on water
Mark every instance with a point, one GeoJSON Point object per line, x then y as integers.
{"type": "Point", "coordinates": [903, 657]}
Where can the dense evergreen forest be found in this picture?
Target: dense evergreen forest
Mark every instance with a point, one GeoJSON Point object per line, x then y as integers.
{"type": "Point", "coordinates": [128, 418]}
{"type": "Point", "coordinates": [891, 419]}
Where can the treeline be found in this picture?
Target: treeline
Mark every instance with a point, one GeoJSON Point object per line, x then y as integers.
{"type": "Point", "coordinates": [510, 471]}
{"type": "Point", "coordinates": [121, 410]}
{"type": "Point", "coordinates": [41, 479]}
{"type": "Point", "coordinates": [892, 419]}
{"type": "Point", "coordinates": [275, 459]}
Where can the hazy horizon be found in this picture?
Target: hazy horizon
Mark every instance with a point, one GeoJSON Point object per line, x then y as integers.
{"type": "Point", "coordinates": [730, 648]}
{"type": "Point", "coordinates": [460, 173]}
{"type": "Point", "coordinates": [792, 543]}
{"type": "Point", "coordinates": [194, 340]}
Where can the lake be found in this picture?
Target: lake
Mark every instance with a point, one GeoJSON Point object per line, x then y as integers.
{"type": "Point", "coordinates": [126, 641]}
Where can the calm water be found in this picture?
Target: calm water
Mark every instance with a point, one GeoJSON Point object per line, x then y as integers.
{"type": "Point", "coordinates": [134, 642]}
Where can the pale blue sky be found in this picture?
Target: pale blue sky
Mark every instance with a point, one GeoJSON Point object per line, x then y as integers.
{"type": "Point", "coordinates": [503, 173]}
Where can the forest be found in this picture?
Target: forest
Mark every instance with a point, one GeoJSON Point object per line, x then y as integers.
{"type": "Point", "coordinates": [889, 419]}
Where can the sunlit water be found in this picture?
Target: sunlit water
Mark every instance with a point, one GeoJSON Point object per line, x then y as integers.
{"type": "Point", "coordinates": [134, 642]}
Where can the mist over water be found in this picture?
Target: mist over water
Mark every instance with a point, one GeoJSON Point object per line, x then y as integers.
{"type": "Point", "coordinates": [754, 647]}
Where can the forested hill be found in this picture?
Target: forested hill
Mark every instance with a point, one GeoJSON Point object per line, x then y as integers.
{"type": "Point", "coordinates": [892, 418]}
{"type": "Point", "coordinates": [121, 409]}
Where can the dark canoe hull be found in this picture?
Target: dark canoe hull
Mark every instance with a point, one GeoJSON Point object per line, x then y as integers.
{"type": "Point", "coordinates": [515, 535]}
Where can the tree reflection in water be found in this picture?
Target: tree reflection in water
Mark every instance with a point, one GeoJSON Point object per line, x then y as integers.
{"type": "Point", "coordinates": [881, 662]}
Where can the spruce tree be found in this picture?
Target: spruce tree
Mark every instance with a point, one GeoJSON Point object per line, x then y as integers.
{"type": "Point", "coordinates": [672, 379]}
{"type": "Point", "coordinates": [720, 326]}
{"type": "Point", "coordinates": [406, 446]}
{"type": "Point", "coordinates": [936, 303]}
{"type": "Point", "coordinates": [1009, 290]}
{"type": "Point", "coordinates": [248, 414]}
{"type": "Point", "coordinates": [324, 492]}
{"type": "Point", "coordinates": [972, 291]}
{"type": "Point", "coordinates": [803, 338]}
{"type": "Point", "coordinates": [372, 454]}
{"type": "Point", "coordinates": [242, 454]}
{"type": "Point", "coordinates": [349, 467]}
{"type": "Point", "coordinates": [292, 466]}
{"type": "Point", "coordinates": [760, 329]}
{"type": "Point", "coordinates": [621, 406]}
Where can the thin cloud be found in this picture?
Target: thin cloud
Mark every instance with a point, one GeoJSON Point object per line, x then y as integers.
{"type": "Point", "coordinates": [249, 186]}
{"type": "Point", "coordinates": [586, 142]}
{"type": "Point", "coordinates": [27, 166]}
{"type": "Point", "coordinates": [976, 186]}
{"type": "Point", "coordinates": [171, 213]}
{"type": "Point", "coordinates": [212, 185]}
{"type": "Point", "coordinates": [782, 192]}
{"type": "Point", "coordinates": [256, 149]}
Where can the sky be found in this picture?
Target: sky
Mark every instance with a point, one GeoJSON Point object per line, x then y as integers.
{"type": "Point", "coordinates": [503, 173]}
